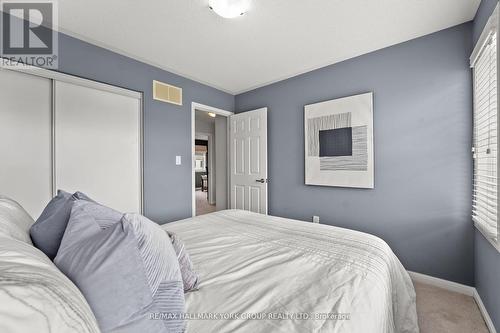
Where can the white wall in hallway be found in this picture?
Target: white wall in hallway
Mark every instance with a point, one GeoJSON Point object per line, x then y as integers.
{"type": "Point", "coordinates": [221, 162]}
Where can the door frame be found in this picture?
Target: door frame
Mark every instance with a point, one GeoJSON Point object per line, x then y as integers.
{"type": "Point", "coordinates": [205, 108]}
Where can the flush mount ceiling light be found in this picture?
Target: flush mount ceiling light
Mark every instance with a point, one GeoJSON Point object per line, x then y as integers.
{"type": "Point", "coordinates": [211, 114]}
{"type": "Point", "coordinates": [229, 8]}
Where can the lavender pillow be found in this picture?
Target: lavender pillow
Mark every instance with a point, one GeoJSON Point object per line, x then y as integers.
{"type": "Point", "coordinates": [48, 230]}
{"type": "Point", "coordinates": [190, 279]}
{"type": "Point", "coordinates": [127, 271]}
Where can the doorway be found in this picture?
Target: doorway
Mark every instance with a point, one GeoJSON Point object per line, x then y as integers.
{"type": "Point", "coordinates": [210, 159]}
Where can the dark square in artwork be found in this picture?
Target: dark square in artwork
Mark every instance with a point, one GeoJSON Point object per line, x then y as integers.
{"type": "Point", "coordinates": [335, 142]}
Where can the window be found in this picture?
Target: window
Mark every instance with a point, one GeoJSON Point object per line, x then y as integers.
{"type": "Point", "coordinates": [200, 162]}
{"type": "Point", "coordinates": [485, 133]}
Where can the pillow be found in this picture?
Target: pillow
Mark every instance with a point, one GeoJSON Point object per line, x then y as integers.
{"type": "Point", "coordinates": [104, 216]}
{"type": "Point", "coordinates": [82, 196]}
{"type": "Point", "coordinates": [35, 296]}
{"type": "Point", "coordinates": [189, 276]}
{"type": "Point", "coordinates": [48, 229]}
{"type": "Point", "coordinates": [15, 222]}
{"type": "Point", "coordinates": [127, 271]}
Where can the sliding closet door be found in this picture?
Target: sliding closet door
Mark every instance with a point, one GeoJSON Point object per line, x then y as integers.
{"type": "Point", "coordinates": [98, 145]}
{"type": "Point", "coordinates": [25, 140]}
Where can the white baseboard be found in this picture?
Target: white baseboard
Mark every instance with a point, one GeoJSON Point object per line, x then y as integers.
{"type": "Point", "coordinates": [484, 312]}
{"type": "Point", "coordinates": [441, 283]}
{"type": "Point", "coordinates": [458, 288]}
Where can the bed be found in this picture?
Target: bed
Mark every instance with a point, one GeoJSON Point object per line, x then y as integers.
{"type": "Point", "coordinates": [260, 267]}
{"type": "Point", "coordinates": [263, 273]}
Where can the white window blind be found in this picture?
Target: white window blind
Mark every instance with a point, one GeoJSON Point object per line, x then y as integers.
{"type": "Point", "coordinates": [485, 139]}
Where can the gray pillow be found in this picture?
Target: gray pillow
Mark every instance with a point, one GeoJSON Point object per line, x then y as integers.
{"type": "Point", "coordinates": [127, 271]}
{"type": "Point", "coordinates": [82, 196]}
{"type": "Point", "coordinates": [190, 278]}
{"type": "Point", "coordinates": [47, 232]}
{"type": "Point", "coordinates": [104, 216]}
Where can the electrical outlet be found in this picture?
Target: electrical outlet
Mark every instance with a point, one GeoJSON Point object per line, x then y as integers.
{"type": "Point", "coordinates": [315, 219]}
{"type": "Point", "coordinates": [178, 160]}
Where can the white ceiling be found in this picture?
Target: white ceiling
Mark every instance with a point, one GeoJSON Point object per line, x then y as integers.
{"type": "Point", "coordinates": [275, 40]}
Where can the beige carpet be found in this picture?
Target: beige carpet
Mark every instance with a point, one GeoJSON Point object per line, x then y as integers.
{"type": "Point", "coordinates": [202, 205]}
{"type": "Point", "coordinates": [443, 311]}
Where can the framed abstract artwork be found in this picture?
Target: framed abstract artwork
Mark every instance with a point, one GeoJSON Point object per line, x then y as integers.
{"type": "Point", "coordinates": [339, 142]}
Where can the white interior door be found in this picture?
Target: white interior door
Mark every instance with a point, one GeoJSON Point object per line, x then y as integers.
{"type": "Point", "coordinates": [98, 145]}
{"type": "Point", "coordinates": [25, 140]}
{"type": "Point", "coordinates": [248, 150]}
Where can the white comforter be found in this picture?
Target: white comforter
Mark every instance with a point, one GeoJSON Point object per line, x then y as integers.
{"type": "Point", "coordinates": [256, 265]}
{"type": "Point", "coordinates": [34, 295]}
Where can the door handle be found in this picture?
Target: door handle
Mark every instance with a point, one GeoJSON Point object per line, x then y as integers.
{"type": "Point", "coordinates": [262, 181]}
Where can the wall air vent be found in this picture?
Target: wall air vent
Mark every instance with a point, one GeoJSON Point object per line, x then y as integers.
{"type": "Point", "coordinates": [167, 93]}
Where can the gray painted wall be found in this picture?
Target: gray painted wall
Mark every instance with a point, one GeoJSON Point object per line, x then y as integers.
{"type": "Point", "coordinates": [487, 273]}
{"type": "Point", "coordinates": [167, 127]}
{"type": "Point", "coordinates": [421, 203]}
{"type": "Point", "coordinates": [483, 14]}
{"type": "Point", "coordinates": [487, 258]}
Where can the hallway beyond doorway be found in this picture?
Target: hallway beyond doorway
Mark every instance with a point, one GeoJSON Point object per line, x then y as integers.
{"type": "Point", "coordinates": [202, 204]}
